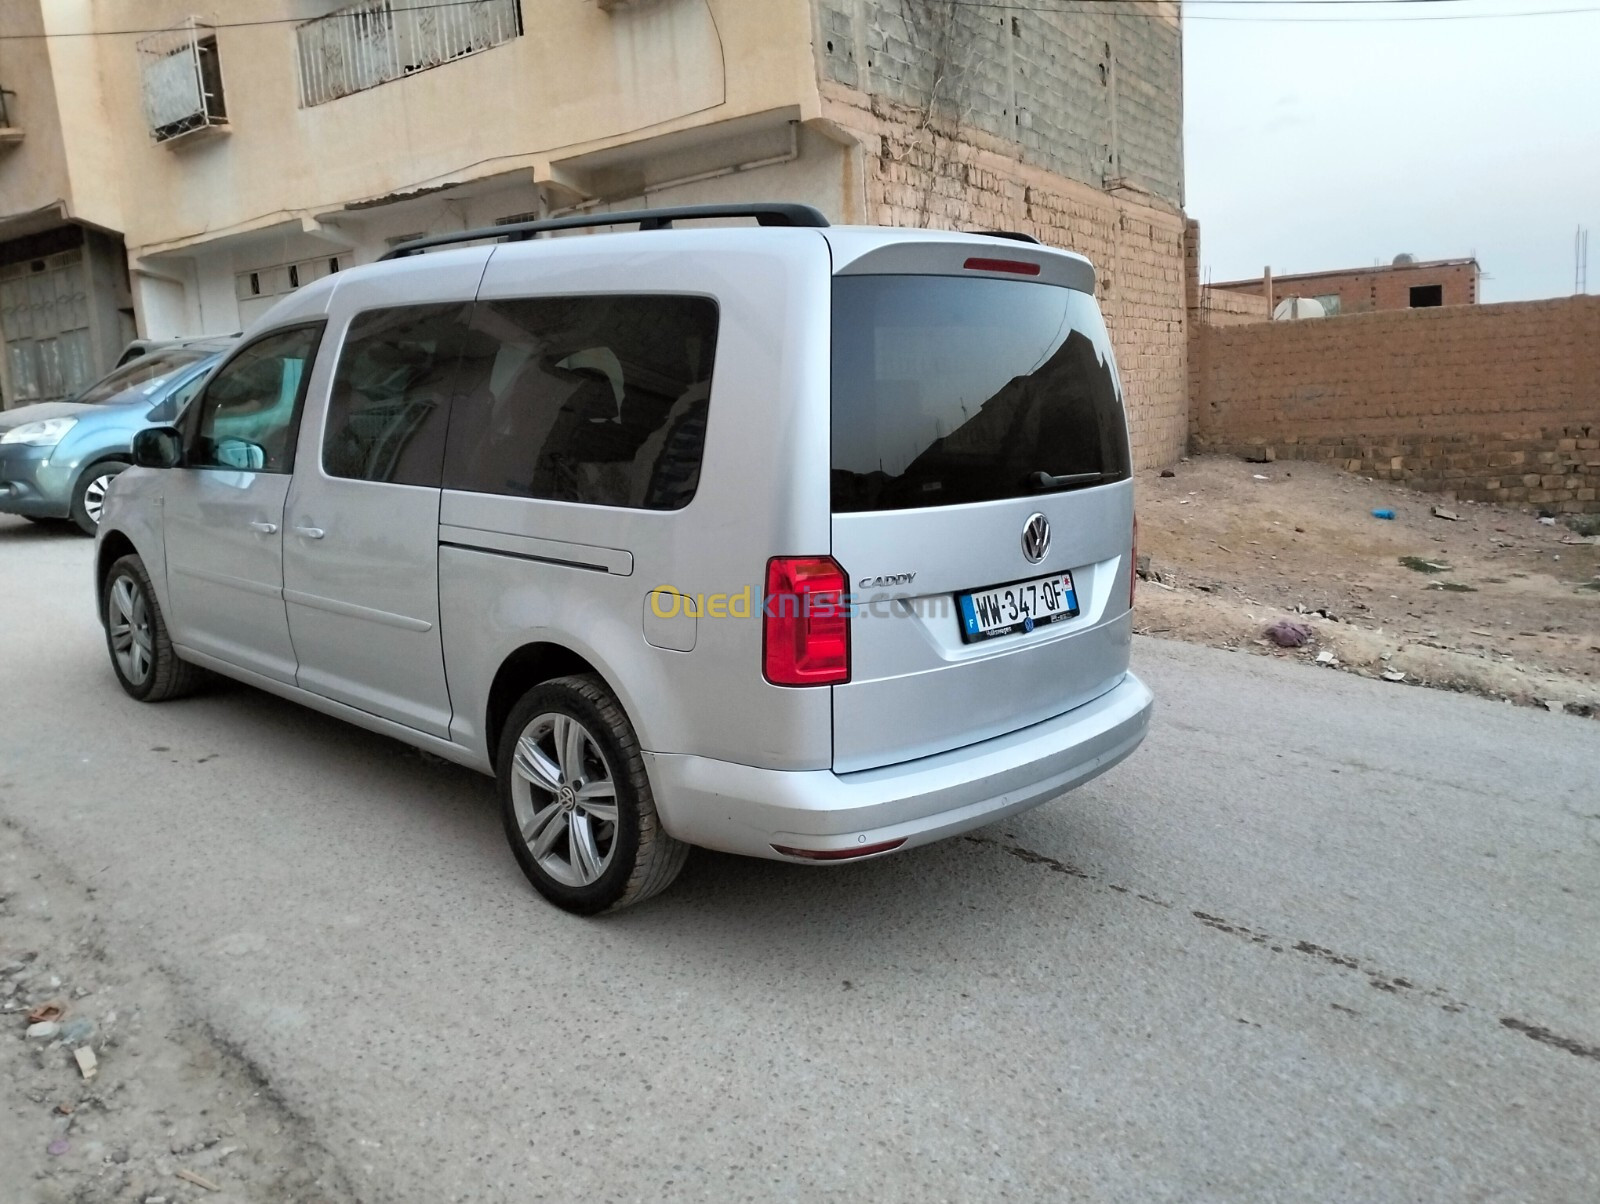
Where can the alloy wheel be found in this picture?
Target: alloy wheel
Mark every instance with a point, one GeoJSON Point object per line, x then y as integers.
{"type": "Point", "coordinates": [94, 496]}
{"type": "Point", "coordinates": [132, 637]}
{"type": "Point", "coordinates": [565, 799]}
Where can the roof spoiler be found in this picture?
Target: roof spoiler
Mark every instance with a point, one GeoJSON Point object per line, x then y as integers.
{"type": "Point", "coordinates": [765, 213]}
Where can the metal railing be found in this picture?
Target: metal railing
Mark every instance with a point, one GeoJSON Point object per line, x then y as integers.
{"type": "Point", "coordinates": [374, 41]}
{"type": "Point", "coordinates": [180, 80]}
{"type": "Point", "coordinates": [5, 110]}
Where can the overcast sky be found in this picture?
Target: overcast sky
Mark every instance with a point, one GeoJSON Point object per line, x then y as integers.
{"type": "Point", "coordinates": [1316, 146]}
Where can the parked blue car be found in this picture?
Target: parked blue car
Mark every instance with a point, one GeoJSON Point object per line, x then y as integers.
{"type": "Point", "coordinates": [57, 457]}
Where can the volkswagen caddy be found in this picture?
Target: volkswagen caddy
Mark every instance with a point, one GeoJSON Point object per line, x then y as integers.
{"type": "Point", "coordinates": [804, 542]}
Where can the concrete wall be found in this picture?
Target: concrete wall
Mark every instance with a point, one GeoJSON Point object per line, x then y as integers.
{"type": "Point", "coordinates": [1011, 120]}
{"type": "Point", "coordinates": [33, 173]}
{"type": "Point", "coordinates": [1368, 290]}
{"type": "Point", "coordinates": [1491, 402]}
{"type": "Point", "coordinates": [578, 80]}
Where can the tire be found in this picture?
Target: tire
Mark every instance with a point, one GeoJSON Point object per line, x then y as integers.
{"type": "Point", "coordinates": [625, 856]}
{"type": "Point", "coordinates": [89, 495]}
{"type": "Point", "coordinates": [142, 656]}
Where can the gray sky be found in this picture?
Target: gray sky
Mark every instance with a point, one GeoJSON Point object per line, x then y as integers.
{"type": "Point", "coordinates": [1314, 146]}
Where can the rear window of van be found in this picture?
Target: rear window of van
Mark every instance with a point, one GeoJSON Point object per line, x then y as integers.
{"type": "Point", "coordinates": [950, 390]}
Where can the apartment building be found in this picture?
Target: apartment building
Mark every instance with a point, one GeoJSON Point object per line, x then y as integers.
{"type": "Point", "coordinates": [169, 171]}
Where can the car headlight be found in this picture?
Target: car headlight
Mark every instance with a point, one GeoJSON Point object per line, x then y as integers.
{"type": "Point", "coordinates": [46, 433]}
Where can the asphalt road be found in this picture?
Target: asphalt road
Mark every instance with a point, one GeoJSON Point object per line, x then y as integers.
{"type": "Point", "coordinates": [1321, 939]}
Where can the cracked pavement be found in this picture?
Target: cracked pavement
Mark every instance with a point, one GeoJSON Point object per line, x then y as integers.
{"type": "Point", "coordinates": [1322, 938]}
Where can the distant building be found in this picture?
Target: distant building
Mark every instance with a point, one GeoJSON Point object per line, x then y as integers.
{"type": "Point", "coordinates": [1404, 284]}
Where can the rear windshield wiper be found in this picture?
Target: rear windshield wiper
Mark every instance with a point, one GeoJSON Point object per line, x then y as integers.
{"type": "Point", "coordinates": [1041, 481]}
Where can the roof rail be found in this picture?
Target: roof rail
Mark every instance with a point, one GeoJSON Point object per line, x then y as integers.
{"type": "Point", "coordinates": [1013, 235]}
{"type": "Point", "coordinates": [765, 213]}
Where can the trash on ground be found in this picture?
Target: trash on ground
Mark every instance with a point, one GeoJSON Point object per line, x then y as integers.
{"type": "Point", "coordinates": [1258, 476]}
{"type": "Point", "coordinates": [87, 1063]}
{"type": "Point", "coordinates": [199, 1181]}
{"type": "Point", "coordinates": [77, 1030]}
{"type": "Point", "coordinates": [1326, 657]}
{"type": "Point", "coordinates": [1441, 512]}
{"type": "Point", "coordinates": [1547, 521]}
{"type": "Point", "coordinates": [58, 1147]}
{"type": "Point", "coordinates": [1384, 514]}
{"type": "Point", "coordinates": [1393, 675]}
{"type": "Point", "coordinates": [1418, 565]}
{"type": "Point", "coordinates": [1286, 633]}
{"type": "Point", "coordinates": [52, 1009]}
{"type": "Point", "coordinates": [45, 1030]}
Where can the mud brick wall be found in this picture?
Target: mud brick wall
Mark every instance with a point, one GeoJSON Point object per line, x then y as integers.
{"type": "Point", "coordinates": [1488, 402]}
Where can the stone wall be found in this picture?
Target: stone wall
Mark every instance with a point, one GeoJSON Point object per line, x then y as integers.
{"type": "Point", "coordinates": [1488, 402]}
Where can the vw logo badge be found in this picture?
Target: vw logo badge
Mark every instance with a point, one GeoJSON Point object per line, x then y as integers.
{"type": "Point", "coordinates": [1036, 538]}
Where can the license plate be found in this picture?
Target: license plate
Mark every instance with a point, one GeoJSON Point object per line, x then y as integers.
{"type": "Point", "coordinates": [1021, 606]}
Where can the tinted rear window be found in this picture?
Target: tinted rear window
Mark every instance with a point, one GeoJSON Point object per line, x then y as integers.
{"type": "Point", "coordinates": [951, 390]}
{"type": "Point", "coordinates": [389, 405]}
{"type": "Point", "coordinates": [585, 399]}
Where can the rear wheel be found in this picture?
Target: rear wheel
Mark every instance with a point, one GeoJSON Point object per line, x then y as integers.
{"type": "Point", "coordinates": [89, 498]}
{"type": "Point", "coordinates": [136, 636]}
{"type": "Point", "coordinates": [576, 801]}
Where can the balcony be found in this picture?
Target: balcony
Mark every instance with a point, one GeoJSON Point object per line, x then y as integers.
{"type": "Point", "coordinates": [182, 82]}
{"type": "Point", "coordinates": [374, 41]}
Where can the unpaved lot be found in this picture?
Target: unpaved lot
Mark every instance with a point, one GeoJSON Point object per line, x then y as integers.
{"type": "Point", "coordinates": [1495, 602]}
{"type": "Point", "coordinates": [161, 1108]}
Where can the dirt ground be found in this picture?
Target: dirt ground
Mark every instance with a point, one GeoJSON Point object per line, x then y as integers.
{"type": "Point", "coordinates": [1496, 602]}
{"type": "Point", "coordinates": [164, 1112]}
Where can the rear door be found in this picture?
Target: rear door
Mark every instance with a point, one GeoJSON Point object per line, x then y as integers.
{"type": "Point", "coordinates": [361, 538]}
{"type": "Point", "coordinates": [982, 500]}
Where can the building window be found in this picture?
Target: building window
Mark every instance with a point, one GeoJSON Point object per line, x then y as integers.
{"type": "Point", "coordinates": [372, 42]}
{"type": "Point", "coordinates": [181, 78]}
{"type": "Point", "coordinates": [1425, 296]}
{"type": "Point", "coordinates": [1329, 303]}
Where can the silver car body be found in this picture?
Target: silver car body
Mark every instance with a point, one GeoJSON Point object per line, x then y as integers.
{"type": "Point", "coordinates": [407, 609]}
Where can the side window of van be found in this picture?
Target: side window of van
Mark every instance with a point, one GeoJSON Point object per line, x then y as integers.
{"type": "Point", "coordinates": [389, 406]}
{"type": "Point", "coordinates": [585, 399]}
{"type": "Point", "coordinates": [250, 411]}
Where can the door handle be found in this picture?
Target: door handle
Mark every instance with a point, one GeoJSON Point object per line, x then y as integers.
{"type": "Point", "coordinates": [311, 532]}
{"type": "Point", "coordinates": [264, 528]}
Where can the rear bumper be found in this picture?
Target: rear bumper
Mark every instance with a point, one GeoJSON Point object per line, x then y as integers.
{"type": "Point", "coordinates": [742, 809]}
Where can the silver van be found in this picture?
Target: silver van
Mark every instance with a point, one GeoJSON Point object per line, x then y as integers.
{"type": "Point", "coordinates": [803, 542]}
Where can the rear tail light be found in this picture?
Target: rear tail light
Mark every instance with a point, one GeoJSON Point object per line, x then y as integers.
{"type": "Point", "coordinates": [805, 637]}
{"type": "Point", "coordinates": [1133, 564]}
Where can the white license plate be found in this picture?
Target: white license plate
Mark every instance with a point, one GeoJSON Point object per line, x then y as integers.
{"type": "Point", "coordinates": [1021, 606]}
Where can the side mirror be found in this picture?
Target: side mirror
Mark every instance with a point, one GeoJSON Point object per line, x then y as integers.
{"type": "Point", "coordinates": [158, 447]}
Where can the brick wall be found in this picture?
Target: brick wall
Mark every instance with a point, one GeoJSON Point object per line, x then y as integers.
{"type": "Point", "coordinates": [1066, 128]}
{"type": "Point", "coordinates": [1490, 402]}
{"type": "Point", "coordinates": [1365, 291]}
{"type": "Point", "coordinates": [1221, 308]}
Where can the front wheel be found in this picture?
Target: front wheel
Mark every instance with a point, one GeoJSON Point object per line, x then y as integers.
{"type": "Point", "coordinates": [136, 636]}
{"type": "Point", "coordinates": [576, 801]}
{"type": "Point", "coordinates": [89, 498]}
